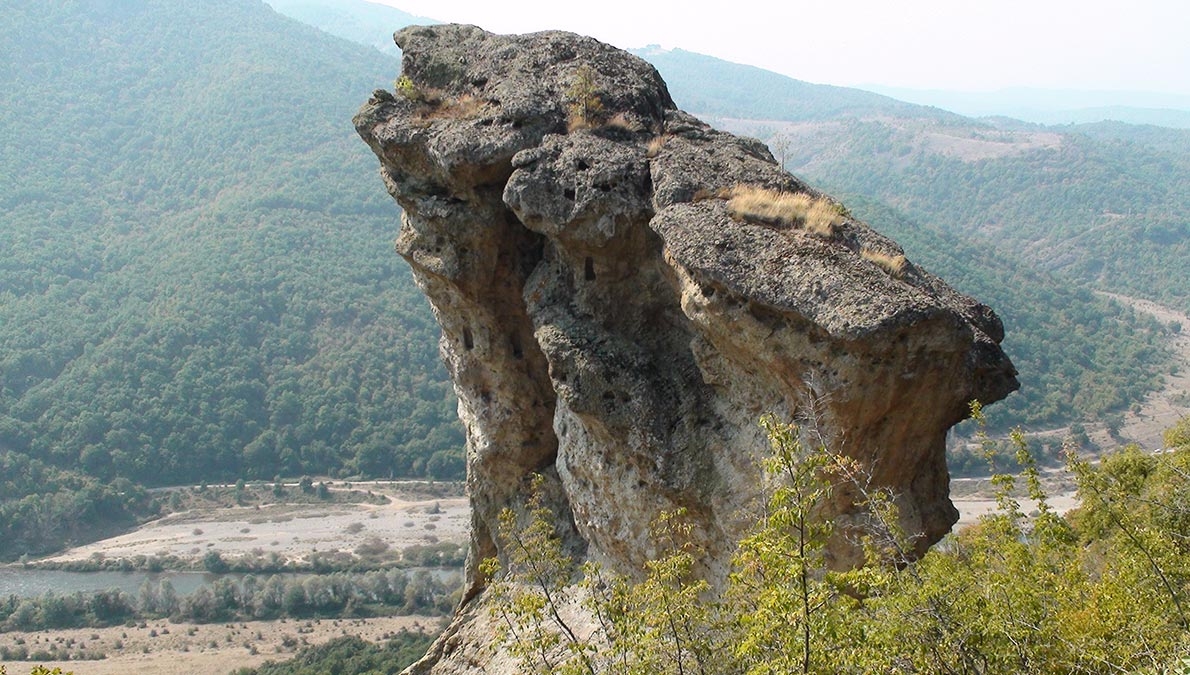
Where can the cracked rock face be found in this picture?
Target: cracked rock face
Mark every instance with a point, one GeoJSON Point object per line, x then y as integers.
{"type": "Point", "coordinates": [611, 324]}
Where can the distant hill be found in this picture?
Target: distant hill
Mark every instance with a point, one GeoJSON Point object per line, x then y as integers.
{"type": "Point", "coordinates": [367, 23]}
{"type": "Point", "coordinates": [1056, 106]}
{"type": "Point", "coordinates": [1159, 117]}
{"type": "Point", "coordinates": [1176, 141]}
{"type": "Point", "coordinates": [1103, 205]}
{"type": "Point", "coordinates": [713, 87]}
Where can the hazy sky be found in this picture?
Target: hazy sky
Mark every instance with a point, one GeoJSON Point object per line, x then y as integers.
{"type": "Point", "coordinates": [967, 45]}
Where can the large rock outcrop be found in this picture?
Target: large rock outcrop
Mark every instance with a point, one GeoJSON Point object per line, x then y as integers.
{"type": "Point", "coordinates": [612, 323]}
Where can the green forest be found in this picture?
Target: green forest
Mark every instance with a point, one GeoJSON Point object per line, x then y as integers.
{"type": "Point", "coordinates": [350, 655]}
{"type": "Point", "coordinates": [1099, 206]}
{"type": "Point", "coordinates": [198, 280]}
{"type": "Point", "coordinates": [1080, 356]}
{"type": "Point", "coordinates": [251, 598]}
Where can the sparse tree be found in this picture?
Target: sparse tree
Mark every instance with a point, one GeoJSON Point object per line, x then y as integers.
{"type": "Point", "coordinates": [780, 144]}
{"type": "Point", "coordinates": [584, 101]}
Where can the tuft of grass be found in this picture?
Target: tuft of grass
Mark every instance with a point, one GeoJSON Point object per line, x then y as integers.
{"type": "Point", "coordinates": [436, 104]}
{"type": "Point", "coordinates": [623, 121]}
{"type": "Point", "coordinates": [703, 194]}
{"type": "Point", "coordinates": [656, 145]}
{"type": "Point", "coordinates": [894, 265]}
{"type": "Point", "coordinates": [462, 107]}
{"type": "Point", "coordinates": [816, 215]}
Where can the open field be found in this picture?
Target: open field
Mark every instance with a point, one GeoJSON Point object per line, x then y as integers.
{"type": "Point", "coordinates": [164, 648]}
{"type": "Point", "coordinates": [975, 497]}
{"type": "Point", "coordinates": [291, 530]}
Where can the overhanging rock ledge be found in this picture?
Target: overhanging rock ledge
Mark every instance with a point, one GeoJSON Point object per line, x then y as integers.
{"type": "Point", "coordinates": [611, 324]}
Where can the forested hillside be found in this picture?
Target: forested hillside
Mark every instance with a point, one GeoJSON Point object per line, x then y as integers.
{"type": "Point", "coordinates": [198, 280]}
{"type": "Point", "coordinates": [1080, 356]}
{"type": "Point", "coordinates": [1031, 222]}
{"type": "Point", "coordinates": [712, 87]}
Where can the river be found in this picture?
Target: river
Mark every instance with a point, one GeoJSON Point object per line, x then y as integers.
{"type": "Point", "coordinates": [29, 583]}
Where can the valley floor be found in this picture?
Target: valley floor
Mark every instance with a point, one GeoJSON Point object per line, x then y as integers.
{"type": "Point", "coordinates": [164, 648]}
{"type": "Point", "coordinates": [292, 531]}
{"type": "Point", "coordinates": [975, 497]}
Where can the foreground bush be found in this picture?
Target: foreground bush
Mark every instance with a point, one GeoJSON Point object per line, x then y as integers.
{"type": "Point", "coordinates": [1103, 590]}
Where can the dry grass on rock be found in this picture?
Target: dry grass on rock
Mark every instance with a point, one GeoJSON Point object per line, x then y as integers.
{"type": "Point", "coordinates": [815, 215]}
{"type": "Point", "coordinates": [894, 265]}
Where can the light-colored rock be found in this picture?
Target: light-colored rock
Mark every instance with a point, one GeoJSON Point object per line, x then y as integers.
{"type": "Point", "coordinates": [609, 325]}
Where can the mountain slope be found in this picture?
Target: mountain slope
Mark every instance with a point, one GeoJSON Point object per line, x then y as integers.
{"type": "Point", "coordinates": [1080, 356]}
{"type": "Point", "coordinates": [364, 22]}
{"type": "Point", "coordinates": [713, 87]}
{"type": "Point", "coordinates": [1056, 106]}
{"type": "Point", "coordinates": [199, 282]}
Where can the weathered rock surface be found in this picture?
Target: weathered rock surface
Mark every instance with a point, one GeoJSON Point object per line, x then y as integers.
{"type": "Point", "coordinates": [609, 325]}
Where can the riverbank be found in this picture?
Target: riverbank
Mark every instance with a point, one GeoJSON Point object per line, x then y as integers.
{"type": "Point", "coordinates": [392, 518]}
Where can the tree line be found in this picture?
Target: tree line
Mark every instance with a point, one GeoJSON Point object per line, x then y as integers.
{"type": "Point", "coordinates": [249, 598]}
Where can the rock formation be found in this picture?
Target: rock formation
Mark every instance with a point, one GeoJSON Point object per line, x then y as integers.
{"type": "Point", "coordinates": [616, 320]}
